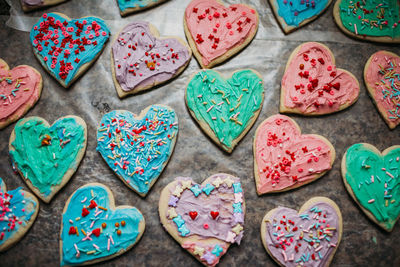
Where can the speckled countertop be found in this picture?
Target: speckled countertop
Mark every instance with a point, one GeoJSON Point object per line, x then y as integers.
{"type": "Point", "coordinates": [363, 243]}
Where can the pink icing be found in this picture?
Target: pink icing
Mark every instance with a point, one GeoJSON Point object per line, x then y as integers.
{"type": "Point", "coordinates": [312, 84]}
{"type": "Point", "coordinates": [216, 29]}
{"type": "Point", "coordinates": [374, 78]}
{"type": "Point", "coordinates": [285, 158]}
{"type": "Point", "coordinates": [14, 103]}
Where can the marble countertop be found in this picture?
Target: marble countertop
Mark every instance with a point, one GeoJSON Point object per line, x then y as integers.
{"type": "Point", "coordinates": [363, 243]}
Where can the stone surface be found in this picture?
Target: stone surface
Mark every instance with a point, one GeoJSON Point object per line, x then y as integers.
{"type": "Point", "coordinates": [195, 155]}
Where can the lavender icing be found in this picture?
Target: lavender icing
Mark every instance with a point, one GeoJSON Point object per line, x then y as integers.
{"type": "Point", "coordinates": [220, 199]}
{"type": "Point", "coordinates": [141, 59]}
{"type": "Point", "coordinates": [33, 2]}
{"type": "Point", "coordinates": [316, 253]}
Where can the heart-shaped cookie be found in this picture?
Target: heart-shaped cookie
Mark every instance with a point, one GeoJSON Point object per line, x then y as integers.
{"type": "Point", "coordinates": [127, 7]}
{"type": "Point", "coordinates": [94, 230]}
{"type": "Point", "coordinates": [140, 60]}
{"type": "Point", "coordinates": [204, 219]}
{"type": "Point", "coordinates": [225, 109]}
{"type": "Point", "coordinates": [309, 237]}
{"type": "Point", "coordinates": [382, 78]}
{"type": "Point", "coordinates": [20, 89]}
{"type": "Point", "coordinates": [47, 156]}
{"type": "Point", "coordinates": [312, 85]}
{"type": "Point", "coordinates": [18, 212]}
{"type": "Point", "coordinates": [292, 15]}
{"type": "Point", "coordinates": [215, 32]}
{"type": "Point", "coordinates": [137, 148]}
{"type": "Point", "coordinates": [376, 21]}
{"type": "Point", "coordinates": [285, 159]}
{"type": "Point", "coordinates": [30, 5]}
{"type": "Point", "coordinates": [67, 48]}
{"type": "Point", "coordinates": [373, 181]}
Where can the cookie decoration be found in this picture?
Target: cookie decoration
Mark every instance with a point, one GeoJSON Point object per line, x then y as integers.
{"type": "Point", "coordinates": [225, 109]}
{"type": "Point", "coordinates": [20, 89]}
{"type": "Point", "coordinates": [372, 179]}
{"type": "Point", "coordinates": [292, 15]}
{"type": "Point", "coordinates": [141, 60]}
{"type": "Point", "coordinates": [30, 5]}
{"type": "Point", "coordinates": [309, 237]}
{"type": "Point", "coordinates": [127, 7]}
{"type": "Point", "coordinates": [312, 85]}
{"type": "Point", "coordinates": [94, 230]}
{"type": "Point", "coordinates": [19, 210]}
{"type": "Point", "coordinates": [369, 20]}
{"type": "Point", "coordinates": [205, 219]}
{"type": "Point", "coordinates": [285, 159]}
{"type": "Point", "coordinates": [47, 156]}
{"type": "Point", "coordinates": [66, 47]}
{"type": "Point", "coordinates": [137, 148]}
{"type": "Point", "coordinates": [382, 79]}
{"type": "Point", "coordinates": [215, 32]}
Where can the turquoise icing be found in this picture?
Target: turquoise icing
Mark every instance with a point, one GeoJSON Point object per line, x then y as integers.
{"type": "Point", "coordinates": [14, 207]}
{"type": "Point", "coordinates": [295, 12]}
{"type": "Point", "coordinates": [45, 165]}
{"type": "Point", "coordinates": [145, 146]}
{"type": "Point", "coordinates": [124, 4]}
{"type": "Point", "coordinates": [79, 37]}
{"type": "Point", "coordinates": [98, 245]}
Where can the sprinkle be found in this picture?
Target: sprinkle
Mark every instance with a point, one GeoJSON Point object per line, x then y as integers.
{"type": "Point", "coordinates": [371, 201]}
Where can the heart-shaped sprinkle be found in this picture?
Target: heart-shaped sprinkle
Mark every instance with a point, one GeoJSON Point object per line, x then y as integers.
{"type": "Point", "coordinates": [285, 159]}
{"type": "Point", "coordinates": [382, 78]}
{"type": "Point", "coordinates": [312, 85]}
{"type": "Point", "coordinates": [193, 214]}
{"type": "Point", "coordinates": [106, 233]}
{"type": "Point", "coordinates": [18, 212]}
{"type": "Point", "coordinates": [369, 20]}
{"type": "Point", "coordinates": [309, 237]}
{"type": "Point", "coordinates": [20, 89]}
{"type": "Point", "coordinates": [216, 32]}
{"type": "Point", "coordinates": [373, 180]}
{"type": "Point", "coordinates": [225, 109]}
{"type": "Point", "coordinates": [47, 156]}
{"type": "Point", "coordinates": [206, 238]}
{"type": "Point", "coordinates": [294, 14]}
{"type": "Point", "coordinates": [66, 48]}
{"type": "Point", "coordinates": [141, 60]}
{"type": "Point", "coordinates": [214, 214]}
{"type": "Point", "coordinates": [130, 6]}
{"type": "Point", "coordinates": [137, 148]}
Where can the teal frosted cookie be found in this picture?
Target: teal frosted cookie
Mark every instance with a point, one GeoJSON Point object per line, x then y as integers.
{"type": "Point", "coordinates": [372, 178]}
{"type": "Point", "coordinates": [66, 47]}
{"type": "Point", "coordinates": [19, 209]}
{"type": "Point", "coordinates": [94, 230]}
{"type": "Point", "coordinates": [137, 148]}
{"type": "Point", "coordinates": [131, 6]}
{"type": "Point", "coordinates": [47, 156]}
{"type": "Point", "coordinates": [225, 109]}
{"type": "Point", "coordinates": [372, 20]}
{"type": "Point", "coordinates": [294, 14]}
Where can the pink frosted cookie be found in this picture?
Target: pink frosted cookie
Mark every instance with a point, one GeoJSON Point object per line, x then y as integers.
{"type": "Point", "coordinates": [285, 159]}
{"type": "Point", "coordinates": [312, 85]}
{"type": "Point", "coordinates": [215, 32]}
{"type": "Point", "coordinates": [205, 219]}
{"type": "Point", "coordinates": [382, 78]}
{"type": "Point", "coordinates": [20, 89]}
